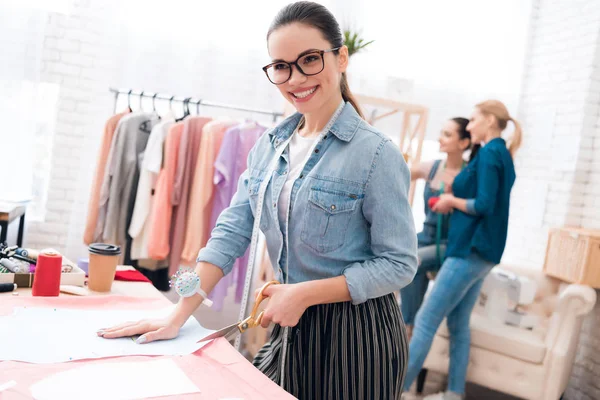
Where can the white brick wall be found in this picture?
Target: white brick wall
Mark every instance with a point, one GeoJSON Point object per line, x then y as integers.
{"type": "Point", "coordinates": [559, 111]}
{"type": "Point", "coordinates": [558, 181]}
{"type": "Point", "coordinates": [72, 51]}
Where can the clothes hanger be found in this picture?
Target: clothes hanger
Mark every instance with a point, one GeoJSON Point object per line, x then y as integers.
{"type": "Point", "coordinates": [129, 100]}
{"type": "Point", "coordinates": [145, 126]}
{"type": "Point", "coordinates": [154, 107]}
{"type": "Point", "coordinates": [186, 109]}
{"type": "Point", "coordinates": [141, 97]}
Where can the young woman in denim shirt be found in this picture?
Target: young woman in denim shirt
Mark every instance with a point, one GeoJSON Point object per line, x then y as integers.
{"type": "Point", "coordinates": [476, 239]}
{"type": "Point", "coordinates": [338, 226]}
{"type": "Point", "coordinates": [439, 174]}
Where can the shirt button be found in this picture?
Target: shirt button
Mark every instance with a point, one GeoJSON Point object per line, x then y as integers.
{"type": "Point", "coordinates": [332, 207]}
{"type": "Point", "coordinates": [301, 176]}
{"type": "Point", "coordinates": [274, 205]}
{"type": "Point", "coordinates": [316, 150]}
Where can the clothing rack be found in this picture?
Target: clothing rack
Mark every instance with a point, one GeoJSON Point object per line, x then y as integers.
{"type": "Point", "coordinates": [189, 101]}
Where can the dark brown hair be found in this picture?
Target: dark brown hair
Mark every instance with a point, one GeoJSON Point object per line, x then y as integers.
{"type": "Point", "coordinates": [317, 16]}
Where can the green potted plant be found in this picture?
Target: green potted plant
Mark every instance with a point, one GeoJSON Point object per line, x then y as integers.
{"type": "Point", "coordinates": [354, 42]}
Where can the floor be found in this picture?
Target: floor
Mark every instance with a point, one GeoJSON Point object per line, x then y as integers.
{"type": "Point", "coordinates": [435, 382]}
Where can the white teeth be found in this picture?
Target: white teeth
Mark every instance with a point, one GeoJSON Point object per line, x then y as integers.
{"type": "Point", "coordinates": [306, 93]}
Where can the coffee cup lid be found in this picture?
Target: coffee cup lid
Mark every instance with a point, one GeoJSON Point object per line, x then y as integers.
{"type": "Point", "coordinates": [104, 249]}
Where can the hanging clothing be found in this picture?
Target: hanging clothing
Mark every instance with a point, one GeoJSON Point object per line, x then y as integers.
{"type": "Point", "coordinates": [120, 182]}
{"type": "Point", "coordinates": [341, 351]}
{"type": "Point", "coordinates": [152, 160]}
{"type": "Point", "coordinates": [93, 204]}
{"type": "Point", "coordinates": [186, 165]}
{"type": "Point", "coordinates": [229, 166]}
{"type": "Point", "coordinates": [162, 209]}
{"type": "Point", "coordinates": [201, 196]}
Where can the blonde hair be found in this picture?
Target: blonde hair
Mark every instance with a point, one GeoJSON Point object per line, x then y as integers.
{"type": "Point", "coordinates": [499, 111]}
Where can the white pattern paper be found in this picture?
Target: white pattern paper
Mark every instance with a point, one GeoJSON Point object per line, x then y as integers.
{"type": "Point", "coordinates": [48, 335]}
{"type": "Point", "coordinates": [116, 381]}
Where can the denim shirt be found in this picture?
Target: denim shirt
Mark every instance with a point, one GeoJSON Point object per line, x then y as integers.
{"type": "Point", "coordinates": [349, 212]}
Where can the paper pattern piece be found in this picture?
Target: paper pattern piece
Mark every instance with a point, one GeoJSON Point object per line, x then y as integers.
{"type": "Point", "coordinates": [7, 385]}
{"type": "Point", "coordinates": [216, 381]}
{"type": "Point", "coordinates": [116, 381]}
{"type": "Point", "coordinates": [51, 335]}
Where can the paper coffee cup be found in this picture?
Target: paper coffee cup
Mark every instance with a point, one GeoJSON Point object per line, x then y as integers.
{"type": "Point", "coordinates": [102, 266]}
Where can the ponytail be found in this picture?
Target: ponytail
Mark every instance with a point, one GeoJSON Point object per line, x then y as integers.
{"type": "Point", "coordinates": [517, 137]}
{"type": "Point", "coordinates": [348, 96]}
{"type": "Point", "coordinates": [500, 112]}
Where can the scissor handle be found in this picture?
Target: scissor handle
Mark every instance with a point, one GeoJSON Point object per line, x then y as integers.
{"type": "Point", "coordinates": [253, 319]}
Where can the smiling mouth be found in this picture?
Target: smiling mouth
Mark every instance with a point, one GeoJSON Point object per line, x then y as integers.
{"type": "Point", "coordinates": [304, 94]}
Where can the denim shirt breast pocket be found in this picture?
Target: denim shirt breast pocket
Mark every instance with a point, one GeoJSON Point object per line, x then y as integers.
{"type": "Point", "coordinates": [255, 179]}
{"type": "Point", "coordinates": [327, 218]}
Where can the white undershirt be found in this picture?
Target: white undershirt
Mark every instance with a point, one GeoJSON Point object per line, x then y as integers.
{"type": "Point", "coordinates": [297, 152]}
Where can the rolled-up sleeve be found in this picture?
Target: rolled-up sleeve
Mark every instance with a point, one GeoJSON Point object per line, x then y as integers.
{"type": "Point", "coordinates": [233, 230]}
{"type": "Point", "coordinates": [470, 206]}
{"type": "Point", "coordinates": [392, 229]}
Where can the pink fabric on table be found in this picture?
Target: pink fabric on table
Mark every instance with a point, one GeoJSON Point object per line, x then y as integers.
{"type": "Point", "coordinates": [217, 369]}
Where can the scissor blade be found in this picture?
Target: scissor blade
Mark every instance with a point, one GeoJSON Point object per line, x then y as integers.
{"type": "Point", "coordinates": [227, 332]}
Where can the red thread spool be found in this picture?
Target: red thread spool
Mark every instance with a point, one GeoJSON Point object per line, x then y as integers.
{"type": "Point", "coordinates": [432, 201]}
{"type": "Point", "coordinates": [46, 281]}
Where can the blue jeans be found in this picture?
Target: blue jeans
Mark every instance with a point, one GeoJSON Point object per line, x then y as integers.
{"type": "Point", "coordinates": [454, 295]}
{"type": "Point", "coordinates": [412, 295]}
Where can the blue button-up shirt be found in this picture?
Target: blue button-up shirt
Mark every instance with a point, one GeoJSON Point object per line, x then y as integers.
{"type": "Point", "coordinates": [486, 182]}
{"type": "Point", "coordinates": [349, 212]}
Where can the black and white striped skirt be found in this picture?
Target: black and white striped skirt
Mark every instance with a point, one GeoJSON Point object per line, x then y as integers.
{"type": "Point", "coordinates": [341, 351]}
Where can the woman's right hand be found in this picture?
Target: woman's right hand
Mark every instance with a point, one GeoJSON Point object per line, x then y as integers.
{"type": "Point", "coordinates": [149, 329]}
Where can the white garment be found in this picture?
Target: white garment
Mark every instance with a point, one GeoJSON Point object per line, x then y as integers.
{"type": "Point", "coordinates": [297, 153]}
{"type": "Point", "coordinates": [151, 164]}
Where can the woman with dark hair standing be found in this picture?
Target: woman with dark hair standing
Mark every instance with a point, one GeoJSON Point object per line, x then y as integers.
{"type": "Point", "coordinates": [438, 175]}
{"type": "Point", "coordinates": [480, 206]}
{"type": "Point", "coordinates": [337, 222]}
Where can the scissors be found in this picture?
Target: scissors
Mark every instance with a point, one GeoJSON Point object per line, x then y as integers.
{"type": "Point", "coordinates": [252, 321]}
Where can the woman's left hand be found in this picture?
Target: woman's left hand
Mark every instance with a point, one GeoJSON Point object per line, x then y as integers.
{"type": "Point", "coordinates": [445, 204]}
{"type": "Point", "coordinates": [285, 306]}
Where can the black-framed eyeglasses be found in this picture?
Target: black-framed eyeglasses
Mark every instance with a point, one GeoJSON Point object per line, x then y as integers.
{"type": "Point", "coordinates": [308, 64]}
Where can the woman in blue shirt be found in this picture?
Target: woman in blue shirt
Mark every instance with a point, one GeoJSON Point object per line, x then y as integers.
{"type": "Point", "coordinates": [439, 175]}
{"type": "Point", "coordinates": [338, 227]}
{"type": "Point", "coordinates": [476, 240]}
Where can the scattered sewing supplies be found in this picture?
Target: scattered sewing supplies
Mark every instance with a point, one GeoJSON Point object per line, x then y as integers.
{"type": "Point", "coordinates": [7, 287]}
